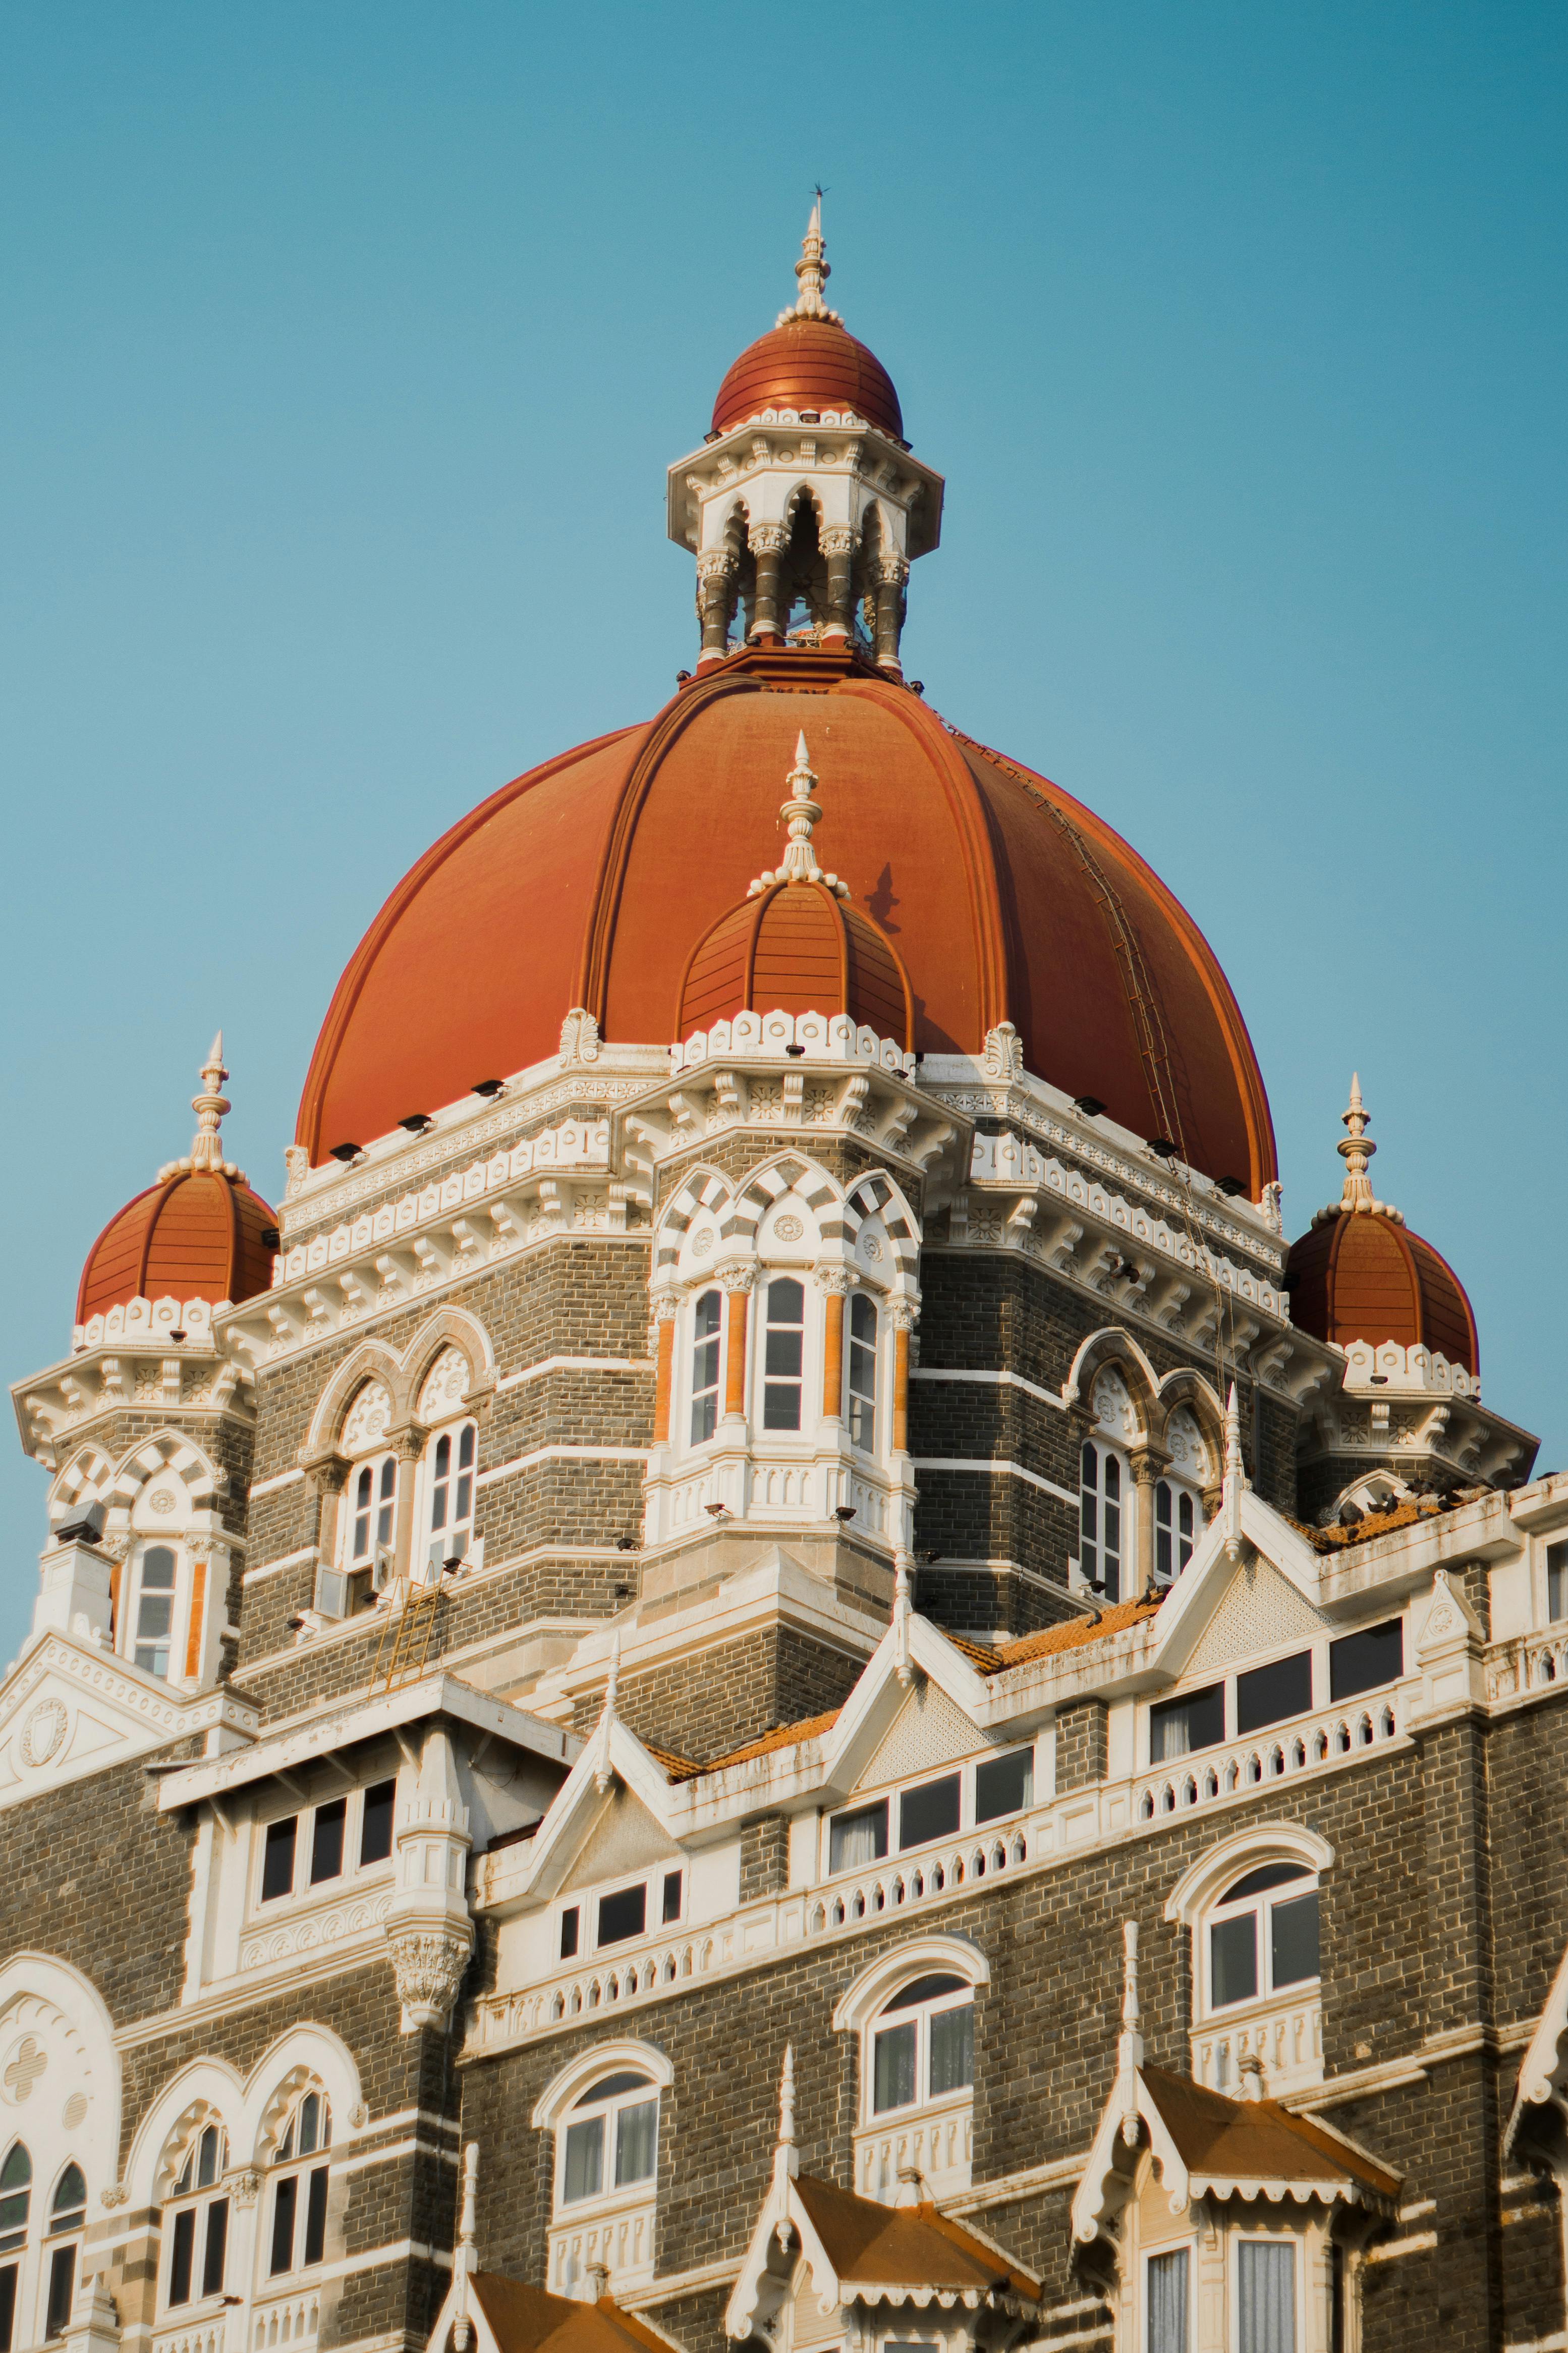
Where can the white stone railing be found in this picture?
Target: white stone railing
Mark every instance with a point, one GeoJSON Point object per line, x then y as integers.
{"type": "Point", "coordinates": [192, 2336]}
{"type": "Point", "coordinates": [935, 2141]}
{"type": "Point", "coordinates": [1286, 2037]}
{"type": "Point", "coordinates": [285, 2320]}
{"type": "Point", "coordinates": [620, 2240]}
{"type": "Point", "coordinates": [828, 1036]}
{"type": "Point", "coordinates": [1238, 1765]}
{"type": "Point", "coordinates": [903, 1883]}
{"type": "Point", "coordinates": [1527, 1663]}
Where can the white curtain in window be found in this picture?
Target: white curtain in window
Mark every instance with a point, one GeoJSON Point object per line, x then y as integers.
{"type": "Point", "coordinates": [1168, 2303]}
{"type": "Point", "coordinates": [1266, 2286]}
{"type": "Point", "coordinates": [856, 1843]}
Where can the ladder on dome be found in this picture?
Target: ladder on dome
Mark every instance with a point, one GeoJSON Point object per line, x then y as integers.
{"type": "Point", "coordinates": [405, 1645]}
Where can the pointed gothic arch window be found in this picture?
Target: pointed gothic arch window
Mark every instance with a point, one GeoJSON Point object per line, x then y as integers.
{"type": "Point", "coordinates": [196, 2222]}
{"type": "Point", "coordinates": [15, 2200]}
{"type": "Point", "coordinates": [295, 2236]}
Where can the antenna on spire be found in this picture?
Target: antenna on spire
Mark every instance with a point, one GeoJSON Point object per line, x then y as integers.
{"type": "Point", "coordinates": [800, 813]}
{"type": "Point", "coordinates": [812, 272]}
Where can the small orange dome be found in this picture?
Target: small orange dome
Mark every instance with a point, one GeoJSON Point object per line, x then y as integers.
{"type": "Point", "coordinates": [198, 1233]}
{"type": "Point", "coordinates": [195, 1235]}
{"type": "Point", "coordinates": [1367, 1278]}
{"type": "Point", "coordinates": [796, 949]}
{"type": "Point", "coordinates": [809, 363]}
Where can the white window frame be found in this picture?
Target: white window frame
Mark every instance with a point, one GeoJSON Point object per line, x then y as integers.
{"type": "Point", "coordinates": [810, 1329]}
{"type": "Point", "coordinates": [966, 1768]}
{"type": "Point", "coordinates": [885, 2021]}
{"type": "Point", "coordinates": [1147, 2255]}
{"type": "Point", "coordinates": [689, 1392]}
{"type": "Point", "coordinates": [179, 1594]}
{"type": "Point", "coordinates": [585, 2110]}
{"type": "Point", "coordinates": [1296, 2241]}
{"type": "Point", "coordinates": [1171, 1485]}
{"type": "Point", "coordinates": [301, 1887]}
{"type": "Point", "coordinates": [302, 2169]}
{"type": "Point", "coordinates": [367, 1575]}
{"type": "Point", "coordinates": [1261, 1907]}
{"type": "Point", "coordinates": [198, 2200]}
{"type": "Point", "coordinates": [585, 1903]}
{"type": "Point", "coordinates": [877, 1401]}
{"type": "Point", "coordinates": [1106, 1449]}
{"type": "Point", "coordinates": [426, 1567]}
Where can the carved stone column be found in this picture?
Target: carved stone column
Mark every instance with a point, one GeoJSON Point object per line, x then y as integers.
{"type": "Point", "coordinates": [767, 544]}
{"type": "Point", "coordinates": [666, 1308]}
{"type": "Point", "coordinates": [429, 1930]}
{"type": "Point", "coordinates": [1147, 1466]}
{"type": "Point", "coordinates": [738, 1283]}
{"type": "Point", "coordinates": [715, 600]}
{"type": "Point", "coordinates": [408, 1445]}
{"type": "Point", "coordinates": [904, 1313]}
{"type": "Point", "coordinates": [837, 544]}
{"type": "Point", "coordinates": [836, 1282]}
{"type": "Point", "coordinates": [893, 572]}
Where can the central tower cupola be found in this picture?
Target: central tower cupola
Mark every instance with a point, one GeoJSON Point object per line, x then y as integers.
{"type": "Point", "coordinates": [805, 507]}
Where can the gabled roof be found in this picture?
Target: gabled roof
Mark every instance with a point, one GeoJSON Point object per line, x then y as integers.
{"type": "Point", "coordinates": [1074, 1633]}
{"type": "Point", "coordinates": [1544, 2068]}
{"type": "Point", "coordinates": [523, 2319]}
{"type": "Point", "coordinates": [875, 2248]}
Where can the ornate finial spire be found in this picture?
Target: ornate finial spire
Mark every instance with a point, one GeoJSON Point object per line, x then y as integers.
{"type": "Point", "coordinates": [207, 1147]}
{"type": "Point", "coordinates": [468, 2253]}
{"type": "Point", "coordinates": [1236, 1478]}
{"type": "Point", "coordinates": [1355, 1148]}
{"type": "Point", "coordinates": [800, 813]}
{"type": "Point", "coordinates": [604, 1771]}
{"type": "Point", "coordinates": [786, 2160]}
{"type": "Point", "coordinates": [813, 272]}
{"type": "Point", "coordinates": [904, 1664]}
{"type": "Point", "coordinates": [1130, 2050]}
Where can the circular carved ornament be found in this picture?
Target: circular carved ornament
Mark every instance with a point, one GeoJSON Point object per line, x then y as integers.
{"type": "Point", "coordinates": [788, 1229]}
{"type": "Point", "coordinates": [44, 1732]}
{"type": "Point", "coordinates": [75, 2109]}
{"type": "Point", "coordinates": [25, 2063]}
{"type": "Point", "coordinates": [871, 1247]}
{"type": "Point", "coordinates": [161, 1499]}
{"type": "Point", "coordinates": [703, 1244]}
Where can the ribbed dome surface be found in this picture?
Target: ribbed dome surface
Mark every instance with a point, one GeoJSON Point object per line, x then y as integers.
{"type": "Point", "coordinates": [796, 949]}
{"type": "Point", "coordinates": [1368, 1278]}
{"type": "Point", "coordinates": [589, 881]}
{"type": "Point", "coordinates": [809, 364]}
{"type": "Point", "coordinates": [194, 1236]}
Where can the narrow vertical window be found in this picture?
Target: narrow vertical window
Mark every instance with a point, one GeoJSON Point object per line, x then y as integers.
{"type": "Point", "coordinates": [1099, 1520]}
{"type": "Point", "coordinates": [1088, 1517]}
{"type": "Point", "coordinates": [285, 2206]}
{"type": "Point", "coordinates": [375, 1823]}
{"type": "Point", "coordinates": [62, 2286]}
{"type": "Point", "coordinates": [386, 1496]}
{"type": "Point", "coordinates": [216, 2247]}
{"type": "Point", "coordinates": [784, 1360]}
{"type": "Point", "coordinates": [706, 1318]}
{"type": "Point", "coordinates": [327, 1840]}
{"type": "Point", "coordinates": [1168, 2298]}
{"type": "Point", "coordinates": [278, 1859]}
{"type": "Point", "coordinates": [1266, 2296]}
{"type": "Point", "coordinates": [365, 1497]}
{"type": "Point", "coordinates": [862, 1371]}
{"type": "Point", "coordinates": [7, 2307]}
{"type": "Point", "coordinates": [155, 1610]}
{"type": "Point", "coordinates": [1557, 1580]}
{"type": "Point", "coordinates": [451, 1507]}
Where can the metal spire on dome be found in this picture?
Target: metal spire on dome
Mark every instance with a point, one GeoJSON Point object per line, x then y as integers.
{"type": "Point", "coordinates": [800, 813]}
{"type": "Point", "coordinates": [205, 1155]}
{"type": "Point", "coordinates": [813, 272]}
{"type": "Point", "coordinates": [1355, 1148]}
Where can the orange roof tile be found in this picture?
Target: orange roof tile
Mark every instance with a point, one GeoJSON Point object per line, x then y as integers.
{"type": "Point", "coordinates": [905, 2246]}
{"type": "Point", "coordinates": [529, 2319]}
{"type": "Point", "coordinates": [782, 1736]}
{"type": "Point", "coordinates": [1074, 1633]}
{"type": "Point", "coordinates": [1257, 2140]}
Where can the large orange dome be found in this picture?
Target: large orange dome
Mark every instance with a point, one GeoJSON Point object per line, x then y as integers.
{"type": "Point", "coordinates": [810, 364]}
{"type": "Point", "coordinates": [1369, 1278]}
{"type": "Point", "coordinates": [194, 1235]}
{"type": "Point", "coordinates": [589, 881]}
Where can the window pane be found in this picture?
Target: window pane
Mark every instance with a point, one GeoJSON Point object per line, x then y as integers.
{"type": "Point", "coordinates": [310, 2122]}
{"type": "Point", "coordinates": [637, 2142]}
{"type": "Point", "coordinates": [1258, 1883]}
{"type": "Point", "coordinates": [278, 1863]}
{"type": "Point", "coordinates": [184, 2239]}
{"type": "Point", "coordinates": [216, 2247]}
{"type": "Point", "coordinates": [571, 1920]}
{"type": "Point", "coordinates": [1266, 2296]}
{"type": "Point", "coordinates": [857, 1839]}
{"type": "Point", "coordinates": [1232, 1959]}
{"type": "Point", "coordinates": [375, 1828]}
{"type": "Point", "coordinates": [672, 1896]}
{"type": "Point", "coordinates": [1293, 1939]}
{"type": "Point", "coordinates": [158, 1569]}
{"type": "Point", "coordinates": [893, 2069]}
{"type": "Point", "coordinates": [7, 2307]}
{"type": "Point", "coordinates": [623, 1913]}
{"type": "Point", "coordinates": [929, 1812]}
{"type": "Point", "coordinates": [952, 2049]}
{"type": "Point", "coordinates": [611, 2087]}
{"type": "Point", "coordinates": [927, 1988]}
{"type": "Point", "coordinates": [1557, 1580]}
{"type": "Point", "coordinates": [585, 2172]}
{"type": "Point", "coordinates": [316, 2216]}
{"type": "Point", "coordinates": [1168, 2303]}
{"type": "Point", "coordinates": [62, 2280]}
{"type": "Point", "coordinates": [285, 2202]}
{"type": "Point", "coordinates": [327, 1839]}
{"type": "Point", "coordinates": [1267, 1695]}
{"type": "Point", "coordinates": [1177, 1727]}
{"type": "Point", "coordinates": [1358, 1662]}
{"type": "Point", "coordinates": [1004, 1785]}
{"type": "Point", "coordinates": [787, 1302]}
{"type": "Point", "coordinates": [155, 1617]}
{"type": "Point", "coordinates": [70, 2197]}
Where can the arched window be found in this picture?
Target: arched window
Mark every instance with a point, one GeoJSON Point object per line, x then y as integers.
{"type": "Point", "coordinates": [16, 2197]}
{"type": "Point", "coordinates": [611, 2139]}
{"type": "Point", "coordinates": [862, 1371]}
{"type": "Point", "coordinates": [67, 2217]}
{"type": "Point", "coordinates": [1178, 1523]}
{"type": "Point", "coordinates": [1101, 1513]}
{"type": "Point", "coordinates": [1262, 1935]}
{"type": "Point", "coordinates": [449, 1508]}
{"type": "Point", "coordinates": [198, 2222]}
{"type": "Point", "coordinates": [296, 2235]}
{"type": "Point", "coordinates": [922, 2044]}
{"type": "Point", "coordinates": [369, 1523]}
{"type": "Point", "coordinates": [151, 1614]}
{"type": "Point", "coordinates": [784, 1357]}
{"type": "Point", "coordinates": [707, 1318]}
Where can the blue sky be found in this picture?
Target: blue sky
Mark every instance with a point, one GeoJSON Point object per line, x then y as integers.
{"type": "Point", "coordinates": [344, 352]}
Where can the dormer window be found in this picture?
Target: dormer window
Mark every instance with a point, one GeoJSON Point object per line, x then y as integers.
{"type": "Point", "coordinates": [784, 1357]}
{"type": "Point", "coordinates": [707, 1321]}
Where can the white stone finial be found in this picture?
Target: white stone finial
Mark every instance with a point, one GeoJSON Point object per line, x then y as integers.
{"type": "Point", "coordinates": [1355, 1148]}
{"type": "Point", "coordinates": [1130, 2049]}
{"type": "Point", "coordinates": [1132, 2013]}
{"type": "Point", "coordinates": [812, 273]}
{"type": "Point", "coordinates": [1235, 1479]}
{"type": "Point", "coordinates": [786, 2099]}
{"type": "Point", "coordinates": [800, 812]}
{"type": "Point", "coordinates": [468, 2260]}
{"type": "Point", "coordinates": [209, 1105]}
{"type": "Point", "coordinates": [604, 1771]}
{"type": "Point", "coordinates": [903, 1605]}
